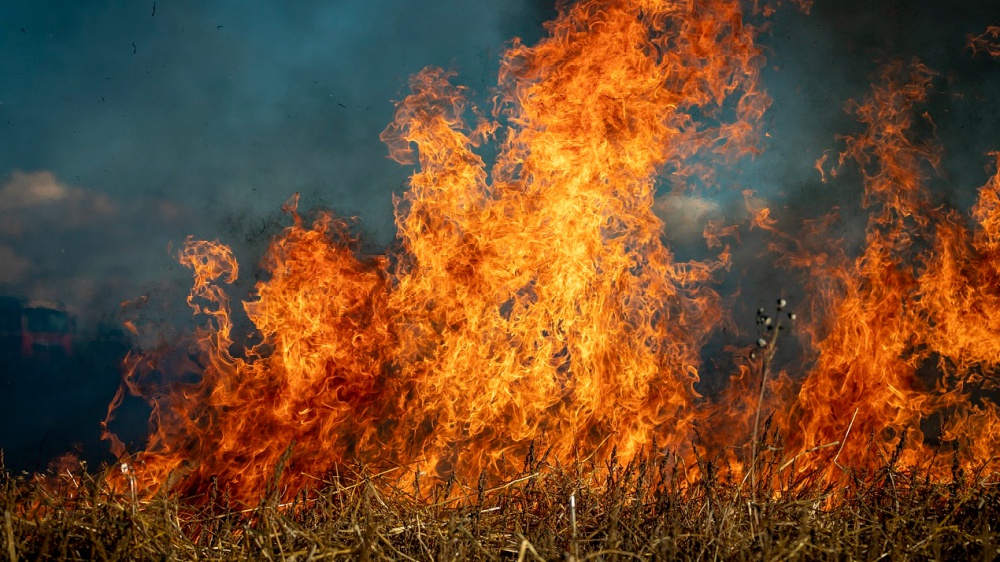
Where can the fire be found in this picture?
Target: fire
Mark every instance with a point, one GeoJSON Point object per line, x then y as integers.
{"type": "Point", "coordinates": [531, 302]}
{"type": "Point", "coordinates": [907, 338]}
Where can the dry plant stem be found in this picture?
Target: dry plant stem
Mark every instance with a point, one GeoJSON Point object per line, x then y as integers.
{"type": "Point", "coordinates": [807, 452]}
{"type": "Point", "coordinates": [525, 548]}
{"type": "Point", "coordinates": [11, 549]}
{"type": "Point", "coordinates": [844, 440]}
{"type": "Point", "coordinates": [765, 365]}
{"type": "Point", "coordinates": [572, 523]}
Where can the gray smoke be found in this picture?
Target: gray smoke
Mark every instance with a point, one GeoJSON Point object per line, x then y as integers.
{"type": "Point", "coordinates": [125, 128]}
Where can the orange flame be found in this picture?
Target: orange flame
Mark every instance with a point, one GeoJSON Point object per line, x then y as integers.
{"type": "Point", "coordinates": [906, 333]}
{"type": "Point", "coordinates": [533, 303]}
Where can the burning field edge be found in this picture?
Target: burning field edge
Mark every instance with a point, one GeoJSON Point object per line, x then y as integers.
{"type": "Point", "coordinates": [643, 509]}
{"type": "Point", "coordinates": [517, 379]}
{"type": "Point", "coordinates": [532, 298]}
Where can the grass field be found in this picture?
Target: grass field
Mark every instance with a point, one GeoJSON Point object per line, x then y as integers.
{"type": "Point", "coordinates": [641, 510]}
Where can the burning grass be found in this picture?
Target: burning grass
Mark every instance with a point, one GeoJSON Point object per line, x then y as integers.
{"type": "Point", "coordinates": [647, 508]}
{"type": "Point", "coordinates": [531, 296]}
{"type": "Point", "coordinates": [534, 301]}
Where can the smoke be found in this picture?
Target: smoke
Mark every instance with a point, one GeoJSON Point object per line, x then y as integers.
{"type": "Point", "coordinates": [224, 110]}
{"type": "Point", "coordinates": [79, 246]}
{"type": "Point", "coordinates": [126, 128]}
{"type": "Point", "coordinates": [815, 64]}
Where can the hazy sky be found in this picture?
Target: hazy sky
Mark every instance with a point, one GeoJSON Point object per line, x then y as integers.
{"type": "Point", "coordinates": [124, 129]}
{"type": "Point", "coordinates": [126, 125]}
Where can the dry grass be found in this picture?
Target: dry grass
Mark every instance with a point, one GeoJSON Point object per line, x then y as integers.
{"type": "Point", "coordinates": [641, 510]}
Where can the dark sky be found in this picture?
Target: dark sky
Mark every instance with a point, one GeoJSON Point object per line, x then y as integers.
{"type": "Point", "coordinates": [123, 129]}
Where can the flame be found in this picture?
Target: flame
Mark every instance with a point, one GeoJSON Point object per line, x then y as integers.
{"type": "Point", "coordinates": [906, 339]}
{"type": "Point", "coordinates": [532, 302]}
{"type": "Point", "coordinates": [529, 302]}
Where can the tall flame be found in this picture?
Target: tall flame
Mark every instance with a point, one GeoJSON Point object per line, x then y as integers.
{"type": "Point", "coordinates": [529, 302]}
{"type": "Point", "coordinates": [907, 343]}
{"type": "Point", "coordinates": [533, 302]}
